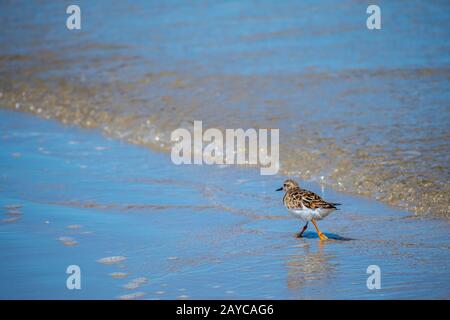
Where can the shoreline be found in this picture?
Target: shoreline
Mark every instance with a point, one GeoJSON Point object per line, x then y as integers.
{"type": "Point", "coordinates": [412, 208]}
{"type": "Point", "coordinates": [166, 233]}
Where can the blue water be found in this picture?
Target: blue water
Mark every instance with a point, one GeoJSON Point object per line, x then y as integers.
{"type": "Point", "coordinates": [241, 37]}
{"type": "Point", "coordinates": [224, 236]}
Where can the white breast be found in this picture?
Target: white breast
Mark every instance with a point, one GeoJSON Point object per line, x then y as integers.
{"type": "Point", "coordinates": [307, 214]}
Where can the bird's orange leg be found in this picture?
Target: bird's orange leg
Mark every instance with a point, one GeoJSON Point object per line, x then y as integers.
{"type": "Point", "coordinates": [319, 233]}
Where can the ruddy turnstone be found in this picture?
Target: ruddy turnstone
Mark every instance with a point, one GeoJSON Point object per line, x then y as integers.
{"type": "Point", "coordinates": [306, 205]}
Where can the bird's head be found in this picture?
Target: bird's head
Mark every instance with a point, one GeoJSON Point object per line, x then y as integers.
{"type": "Point", "coordinates": [288, 185]}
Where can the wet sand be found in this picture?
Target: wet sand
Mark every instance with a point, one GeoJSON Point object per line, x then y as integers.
{"type": "Point", "coordinates": [140, 227]}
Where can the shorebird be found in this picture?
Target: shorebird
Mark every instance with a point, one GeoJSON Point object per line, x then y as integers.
{"type": "Point", "coordinates": [306, 205]}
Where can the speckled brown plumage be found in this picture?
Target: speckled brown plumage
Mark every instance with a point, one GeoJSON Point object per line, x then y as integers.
{"type": "Point", "coordinates": [297, 198]}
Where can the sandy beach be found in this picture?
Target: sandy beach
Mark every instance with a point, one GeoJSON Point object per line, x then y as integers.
{"type": "Point", "coordinates": [140, 227]}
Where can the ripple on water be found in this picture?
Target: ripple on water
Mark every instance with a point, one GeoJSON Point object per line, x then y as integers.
{"type": "Point", "coordinates": [111, 260]}
{"type": "Point", "coordinates": [132, 296]}
{"type": "Point", "coordinates": [68, 241]}
{"type": "Point", "coordinates": [13, 213]}
{"type": "Point", "coordinates": [11, 219]}
{"type": "Point", "coordinates": [135, 283]}
{"type": "Point", "coordinates": [13, 206]}
{"type": "Point", "coordinates": [73, 226]}
{"type": "Point", "coordinates": [118, 275]}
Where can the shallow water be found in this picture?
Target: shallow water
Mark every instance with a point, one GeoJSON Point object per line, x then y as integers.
{"type": "Point", "coordinates": [147, 229]}
{"type": "Point", "coordinates": [362, 111]}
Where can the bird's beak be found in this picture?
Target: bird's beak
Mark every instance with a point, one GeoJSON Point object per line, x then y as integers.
{"type": "Point", "coordinates": [279, 189]}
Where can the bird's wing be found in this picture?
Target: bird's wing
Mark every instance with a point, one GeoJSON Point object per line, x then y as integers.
{"type": "Point", "coordinates": [313, 201]}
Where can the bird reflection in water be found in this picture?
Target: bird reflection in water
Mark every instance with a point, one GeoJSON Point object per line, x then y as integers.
{"type": "Point", "coordinates": [309, 266]}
